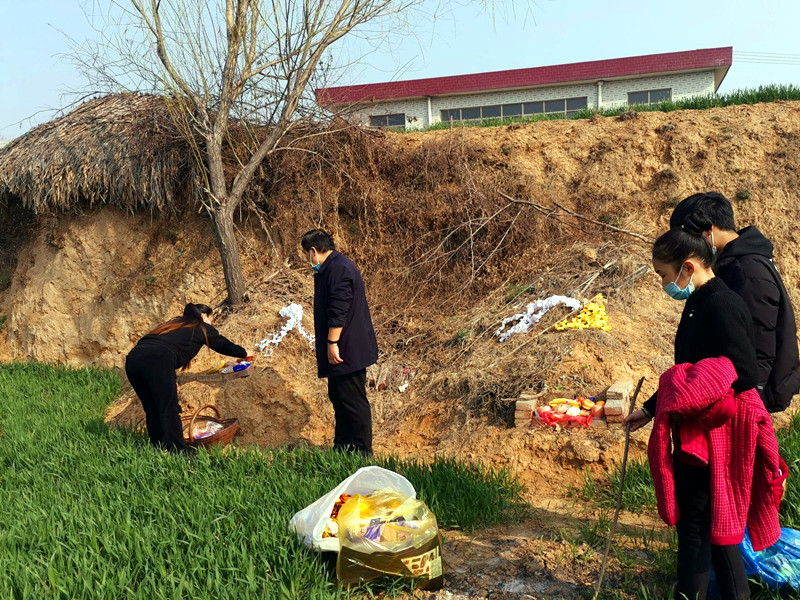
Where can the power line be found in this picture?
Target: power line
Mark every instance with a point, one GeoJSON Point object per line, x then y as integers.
{"type": "Point", "coordinates": [771, 54]}
{"type": "Point", "coordinates": [767, 62]}
{"type": "Point", "coordinates": [766, 58]}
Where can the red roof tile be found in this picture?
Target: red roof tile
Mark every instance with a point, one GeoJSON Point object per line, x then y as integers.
{"type": "Point", "coordinates": [535, 76]}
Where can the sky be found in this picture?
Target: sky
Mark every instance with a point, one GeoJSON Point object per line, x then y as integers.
{"type": "Point", "coordinates": [36, 80]}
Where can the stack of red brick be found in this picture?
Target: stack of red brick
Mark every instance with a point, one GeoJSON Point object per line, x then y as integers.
{"type": "Point", "coordinates": [617, 398]}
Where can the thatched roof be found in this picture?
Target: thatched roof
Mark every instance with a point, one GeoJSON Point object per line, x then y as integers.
{"type": "Point", "coordinates": [121, 149]}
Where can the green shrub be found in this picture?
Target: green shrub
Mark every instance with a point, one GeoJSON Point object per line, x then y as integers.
{"type": "Point", "coordinates": [517, 290]}
{"type": "Point", "coordinates": [459, 337]}
{"type": "Point", "coordinates": [609, 219]}
{"type": "Point", "coordinates": [638, 492]}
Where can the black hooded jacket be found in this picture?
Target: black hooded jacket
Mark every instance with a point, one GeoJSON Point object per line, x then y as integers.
{"type": "Point", "coordinates": [746, 267]}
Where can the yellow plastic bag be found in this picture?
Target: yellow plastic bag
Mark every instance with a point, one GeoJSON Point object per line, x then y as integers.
{"type": "Point", "coordinates": [388, 533]}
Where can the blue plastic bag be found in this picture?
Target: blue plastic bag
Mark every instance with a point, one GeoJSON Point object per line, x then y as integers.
{"type": "Point", "coordinates": [778, 565]}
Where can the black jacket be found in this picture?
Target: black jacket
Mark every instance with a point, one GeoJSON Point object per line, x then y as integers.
{"type": "Point", "coordinates": [340, 301]}
{"type": "Point", "coordinates": [715, 322]}
{"type": "Point", "coordinates": [185, 343]}
{"type": "Point", "coordinates": [746, 267]}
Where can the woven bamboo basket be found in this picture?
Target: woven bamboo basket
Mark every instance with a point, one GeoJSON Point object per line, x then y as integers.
{"type": "Point", "coordinates": [218, 438]}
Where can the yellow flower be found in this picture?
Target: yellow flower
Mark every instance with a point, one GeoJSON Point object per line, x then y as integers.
{"type": "Point", "coordinates": [593, 314]}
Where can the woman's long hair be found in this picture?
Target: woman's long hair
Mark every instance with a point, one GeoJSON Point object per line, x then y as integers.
{"type": "Point", "coordinates": [192, 317]}
{"type": "Point", "coordinates": [685, 241]}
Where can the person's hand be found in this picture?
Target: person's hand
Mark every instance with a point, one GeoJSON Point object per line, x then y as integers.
{"type": "Point", "coordinates": [636, 420]}
{"type": "Point", "coordinates": [251, 356]}
{"type": "Point", "coordinates": [334, 357]}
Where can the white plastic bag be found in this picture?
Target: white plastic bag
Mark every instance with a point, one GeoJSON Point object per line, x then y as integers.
{"type": "Point", "coordinates": [310, 523]}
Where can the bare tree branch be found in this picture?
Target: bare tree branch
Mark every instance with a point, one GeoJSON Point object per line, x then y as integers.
{"type": "Point", "coordinates": [236, 76]}
{"type": "Point", "coordinates": [549, 212]}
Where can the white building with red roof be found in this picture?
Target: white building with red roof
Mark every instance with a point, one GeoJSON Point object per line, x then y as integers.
{"type": "Point", "coordinates": [518, 93]}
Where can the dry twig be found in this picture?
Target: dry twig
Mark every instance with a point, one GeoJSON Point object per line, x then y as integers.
{"type": "Point", "coordinates": [551, 213]}
{"type": "Point", "coordinates": [638, 236]}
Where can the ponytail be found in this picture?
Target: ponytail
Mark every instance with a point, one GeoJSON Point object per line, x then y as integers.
{"type": "Point", "coordinates": [192, 317]}
{"type": "Point", "coordinates": [195, 312]}
{"type": "Point", "coordinates": [685, 241]}
{"type": "Point", "coordinates": [696, 223]}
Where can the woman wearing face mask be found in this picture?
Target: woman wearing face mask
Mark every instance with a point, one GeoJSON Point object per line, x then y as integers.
{"type": "Point", "coordinates": [150, 367]}
{"type": "Point", "coordinates": [715, 322]}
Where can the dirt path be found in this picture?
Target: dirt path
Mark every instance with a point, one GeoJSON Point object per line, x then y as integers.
{"type": "Point", "coordinates": [544, 557]}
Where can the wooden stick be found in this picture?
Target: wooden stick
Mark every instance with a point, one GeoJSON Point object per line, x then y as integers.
{"type": "Point", "coordinates": [619, 492]}
{"type": "Point", "coordinates": [585, 285]}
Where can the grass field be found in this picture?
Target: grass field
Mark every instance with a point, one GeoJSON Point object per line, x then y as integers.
{"type": "Point", "coordinates": [89, 512]}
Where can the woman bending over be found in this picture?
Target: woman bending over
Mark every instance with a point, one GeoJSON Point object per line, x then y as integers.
{"type": "Point", "coordinates": [151, 364]}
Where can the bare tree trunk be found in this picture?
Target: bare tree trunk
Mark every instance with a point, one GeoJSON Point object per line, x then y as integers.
{"type": "Point", "coordinates": [222, 222]}
{"type": "Point", "coordinates": [247, 60]}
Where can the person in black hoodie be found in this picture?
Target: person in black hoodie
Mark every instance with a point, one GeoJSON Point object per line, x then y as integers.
{"type": "Point", "coordinates": [151, 364]}
{"type": "Point", "coordinates": [714, 322]}
{"type": "Point", "coordinates": [744, 262]}
{"type": "Point", "coordinates": [345, 340]}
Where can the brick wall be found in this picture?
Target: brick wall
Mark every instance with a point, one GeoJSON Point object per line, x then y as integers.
{"type": "Point", "coordinates": [529, 95]}
{"type": "Point", "coordinates": [684, 85]}
{"type": "Point", "coordinates": [416, 111]}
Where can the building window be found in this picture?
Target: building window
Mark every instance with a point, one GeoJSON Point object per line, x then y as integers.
{"type": "Point", "coordinates": [576, 104]}
{"type": "Point", "coordinates": [453, 114]}
{"type": "Point", "coordinates": [564, 106]}
{"type": "Point", "coordinates": [533, 108]}
{"type": "Point", "coordinates": [554, 106]}
{"type": "Point", "coordinates": [649, 96]}
{"type": "Point", "coordinates": [474, 113]}
{"type": "Point", "coordinates": [398, 120]}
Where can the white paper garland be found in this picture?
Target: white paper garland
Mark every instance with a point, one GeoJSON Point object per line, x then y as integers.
{"type": "Point", "coordinates": [294, 314]}
{"type": "Point", "coordinates": [533, 314]}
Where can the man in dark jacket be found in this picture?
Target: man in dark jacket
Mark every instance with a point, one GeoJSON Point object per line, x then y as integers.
{"type": "Point", "coordinates": [345, 339]}
{"type": "Point", "coordinates": [744, 263]}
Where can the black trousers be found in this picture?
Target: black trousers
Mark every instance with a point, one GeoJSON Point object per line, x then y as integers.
{"type": "Point", "coordinates": [696, 553]}
{"type": "Point", "coordinates": [152, 374]}
{"type": "Point", "coordinates": [348, 394]}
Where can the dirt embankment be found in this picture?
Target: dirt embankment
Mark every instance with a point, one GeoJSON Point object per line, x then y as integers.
{"type": "Point", "coordinates": [445, 257]}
